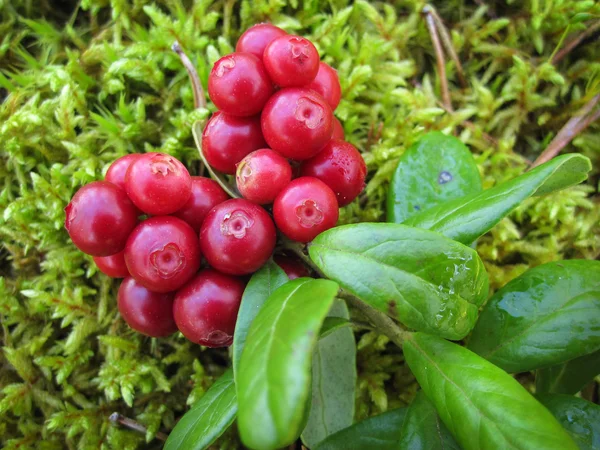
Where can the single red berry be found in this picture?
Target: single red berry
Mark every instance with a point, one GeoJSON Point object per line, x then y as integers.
{"type": "Point", "coordinates": [238, 84]}
{"type": "Point", "coordinates": [341, 167]}
{"type": "Point", "coordinates": [297, 123]}
{"type": "Point", "coordinates": [206, 308]}
{"type": "Point", "coordinates": [327, 84]}
{"type": "Point", "coordinates": [100, 218]}
{"type": "Point", "coordinates": [118, 169]}
{"type": "Point", "coordinates": [237, 237]}
{"type": "Point", "coordinates": [206, 194]}
{"type": "Point", "coordinates": [162, 253]}
{"type": "Point", "coordinates": [227, 139]}
{"type": "Point", "coordinates": [114, 265]}
{"type": "Point", "coordinates": [261, 175]}
{"type": "Point", "coordinates": [291, 61]}
{"type": "Point", "coordinates": [255, 39]}
{"type": "Point", "coordinates": [305, 208]}
{"type": "Point", "coordinates": [292, 267]}
{"type": "Point", "coordinates": [338, 130]}
{"type": "Point", "coordinates": [158, 184]}
{"type": "Point", "coordinates": [150, 313]}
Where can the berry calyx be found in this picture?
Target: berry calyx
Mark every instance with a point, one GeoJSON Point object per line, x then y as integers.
{"type": "Point", "coordinates": [256, 38]}
{"type": "Point", "coordinates": [292, 267]}
{"type": "Point", "coordinates": [118, 169]}
{"type": "Point", "coordinates": [206, 194]}
{"type": "Point", "coordinates": [338, 129]}
{"type": "Point", "coordinates": [114, 265]}
{"type": "Point", "coordinates": [261, 175]}
{"type": "Point", "coordinates": [291, 61]}
{"type": "Point", "coordinates": [327, 84]}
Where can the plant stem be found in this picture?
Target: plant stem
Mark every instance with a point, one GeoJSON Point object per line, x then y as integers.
{"type": "Point", "coordinates": [575, 42]}
{"type": "Point", "coordinates": [199, 97]}
{"type": "Point", "coordinates": [447, 41]}
{"type": "Point", "coordinates": [439, 56]}
{"type": "Point", "coordinates": [120, 419]}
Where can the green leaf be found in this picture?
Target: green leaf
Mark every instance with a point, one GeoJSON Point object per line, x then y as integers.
{"type": "Point", "coordinates": [274, 377]}
{"type": "Point", "coordinates": [382, 432]}
{"type": "Point", "coordinates": [424, 280]}
{"type": "Point", "coordinates": [259, 288]}
{"type": "Point", "coordinates": [547, 316]}
{"type": "Point", "coordinates": [207, 419]}
{"type": "Point", "coordinates": [570, 377]}
{"type": "Point", "coordinates": [332, 324]}
{"type": "Point", "coordinates": [333, 381]}
{"type": "Point", "coordinates": [579, 417]}
{"type": "Point", "coordinates": [436, 169]}
{"type": "Point", "coordinates": [467, 218]}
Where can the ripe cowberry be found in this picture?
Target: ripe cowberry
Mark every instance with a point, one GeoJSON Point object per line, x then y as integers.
{"type": "Point", "coordinates": [162, 253]}
{"type": "Point", "coordinates": [158, 184]}
{"type": "Point", "coordinates": [291, 61]}
{"type": "Point", "coordinates": [297, 123]}
{"type": "Point", "coordinates": [114, 265]}
{"type": "Point", "coordinates": [338, 129]}
{"type": "Point", "coordinates": [292, 267]}
{"type": "Point", "coordinates": [100, 218]}
{"type": "Point", "coordinates": [227, 139]}
{"type": "Point", "coordinates": [305, 208]}
{"type": "Point", "coordinates": [255, 39]}
{"type": "Point", "coordinates": [261, 175]}
{"type": "Point", "coordinates": [150, 313]}
{"type": "Point", "coordinates": [327, 84]}
{"type": "Point", "coordinates": [206, 308]}
{"type": "Point", "coordinates": [118, 169]}
{"type": "Point", "coordinates": [237, 237]}
{"type": "Point", "coordinates": [238, 84]}
{"type": "Point", "coordinates": [206, 194]}
{"type": "Point", "coordinates": [341, 167]}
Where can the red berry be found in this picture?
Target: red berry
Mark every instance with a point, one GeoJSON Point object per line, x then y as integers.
{"type": "Point", "coordinates": [305, 208]}
{"type": "Point", "coordinates": [341, 167]}
{"type": "Point", "coordinates": [114, 265]}
{"type": "Point", "coordinates": [338, 129]}
{"type": "Point", "coordinates": [100, 218]}
{"type": "Point", "coordinates": [327, 84]}
{"type": "Point", "coordinates": [297, 123]}
{"type": "Point", "coordinates": [262, 174]}
{"type": "Point", "coordinates": [227, 139]}
{"type": "Point", "coordinates": [238, 84]}
{"type": "Point", "coordinates": [292, 267]}
{"type": "Point", "coordinates": [150, 313]}
{"type": "Point", "coordinates": [158, 184]}
{"type": "Point", "coordinates": [206, 194]}
{"type": "Point", "coordinates": [206, 308]}
{"type": "Point", "coordinates": [255, 39]}
{"type": "Point", "coordinates": [117, 170]}
{"type": "Point", "coordinates": [237, 237]}
{"type": "Point", "coordinates": [162, 253]}
{"type": "Point", "coordinates": [291, 61]}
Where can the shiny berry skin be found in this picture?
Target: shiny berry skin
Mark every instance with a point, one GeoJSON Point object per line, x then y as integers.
{"type": "Point", "coordinates": [238, 84]}
{"type": "Point", "coordinates": [338, 129]}
{"type": "Point", "coordinates": [255, 39]}
{"type": "Point", "coordinates": [118, 169]}
{"type": "Point", "coordinates": [297, 123]}
{"type": "Point", "coordinates": [206, 194]}
{"type": "Point", "coordinates": [237, 237]}
{"type": "Point", "coordinates": [292, 267]}
{"type": "Point", "coordinates": [100, 218]}
{"type": "Point", "coordinates": [305, 208]}
{"type": "Point", "coordinates": [206, 308]}
{"type": "Point", "coordinates": [158, 184]}
{"type": "Point", "coordinates": [114, 265]}
{"type": "Point", "coordinates": [261, 175]}
{"type": "Point", "coordinates": [162, 253]}
{"type": "Point", "coordinates": [150, 313]}
{"type": "Point", "coordinates": [327, 84]}
{"type": "Point", "coordinates": [341, 167]}
{"type": "Point", "coordinates": [227, 139]}
{"type": "Point", "coordinates": [291, 61]}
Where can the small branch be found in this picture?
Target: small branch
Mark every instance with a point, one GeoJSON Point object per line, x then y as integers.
{"type": "Point", "coordinates": [575, 42]}
{"type": "Point", "coordinates": [199, 98]}
{"type": "Point", "coordinates": [447, 41]}
{"type": "Point", "coordinates": [120, 419]}
{"type": "Point", "coordinates": [439, 56]}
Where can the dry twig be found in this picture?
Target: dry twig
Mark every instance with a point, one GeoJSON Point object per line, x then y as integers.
{"type": "Point", "coordinates": [120, 419]}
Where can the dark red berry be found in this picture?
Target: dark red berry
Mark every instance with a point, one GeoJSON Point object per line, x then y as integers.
{"type": "Point", "coordinates": [163, 253]}
{"type": "Point", "coordinates": [327, 84]}
{"type": "Point", "coordinates": [341, 167]}
{"type": "Point", "coordinates": [261, 175]}
{"type": "Point", "coordinates": [114, 265]}
{"type": "Point", "coordinates": [206, 308]}
{"type": "Point", "coordinates": [238, 84]}
{"type": "Point", "coordinates": [100, 218]}
{"type": "Point", "coordinates": [227, 139]}
{"type": "Point", "coordinates": [237, 237]}
{"type": "Point", "coordinates": [338, 129]}
{"type": "Point", "coordinates": [118, 169]}
{"type": "Point", "coordinates": [150, 313]}
{"type": "Point", "coordinates": [255, 39]}
{"type": "Point", "coordinates": [291, 61]}
{"type": "Point", "coordinates": [292, 267]}
{"type": "Point", "coordinates": [297, 123]}
{"type": "Point", "coordinates": [305, 208]}
{"type": "Point", "coordinates": [206, 194]}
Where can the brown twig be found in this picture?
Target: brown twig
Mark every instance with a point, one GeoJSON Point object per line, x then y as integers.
{"type": "Point", "coordinates": [120, 419]}
{"type": "Point", "coordinates": [439, 56]}
{"type": "Point", "coordinates": [447, 41]}
{"type": "Point", "coordinates": [199, 98]}
{"type": "Point", "coordinates": [575, 42]}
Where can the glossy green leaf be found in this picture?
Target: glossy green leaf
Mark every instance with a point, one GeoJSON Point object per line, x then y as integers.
{"type": "Point", "coordinates": [436, 169]}
{"type": "Point", "coordinates": [333, 381]}
{"type": "Point", "coordinates": [570, 377]}
{"type": "Point", "coordinates": [482, 406]}
{"type": "Point", "coordinates": [579, 417]}
{"type": "Point", "coordinates": [207, 419]}
{"type": "Point", "coordinates": [467, 218]}
{"type": "Point", "coordinates": [332, 324]}
{"type": "Point", "coordinates": [547, 316]}
{"type": "Point", "coordinates": [274, 376]}
{"type": "Point", "coordinates": [424, 280]}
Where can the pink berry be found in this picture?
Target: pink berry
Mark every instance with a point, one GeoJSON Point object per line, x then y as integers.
{"type": "Point", "coordinates": [206, 194]}
{"type": "Point", "coordinates": [255, 39]}
{"type": "Point", "coordinates": [338, 129]}
{"type": "Point", "coordinates": [291, 61]}
{"type": "Point", "coordinates": [114, 265]}
{"type": "Point", "coordinates": [118, 169]}
{"type": "Point", "coordinates": [327, 84]}
{"type": "Point", "coordinates": [261, 175]}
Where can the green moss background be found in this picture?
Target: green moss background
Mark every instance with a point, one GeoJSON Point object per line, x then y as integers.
{"type": "Point", "coordinates": [84, 82]}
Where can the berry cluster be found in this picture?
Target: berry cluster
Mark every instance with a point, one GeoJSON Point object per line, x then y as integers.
{"type": "Point", "coordinates": [151, 223]}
